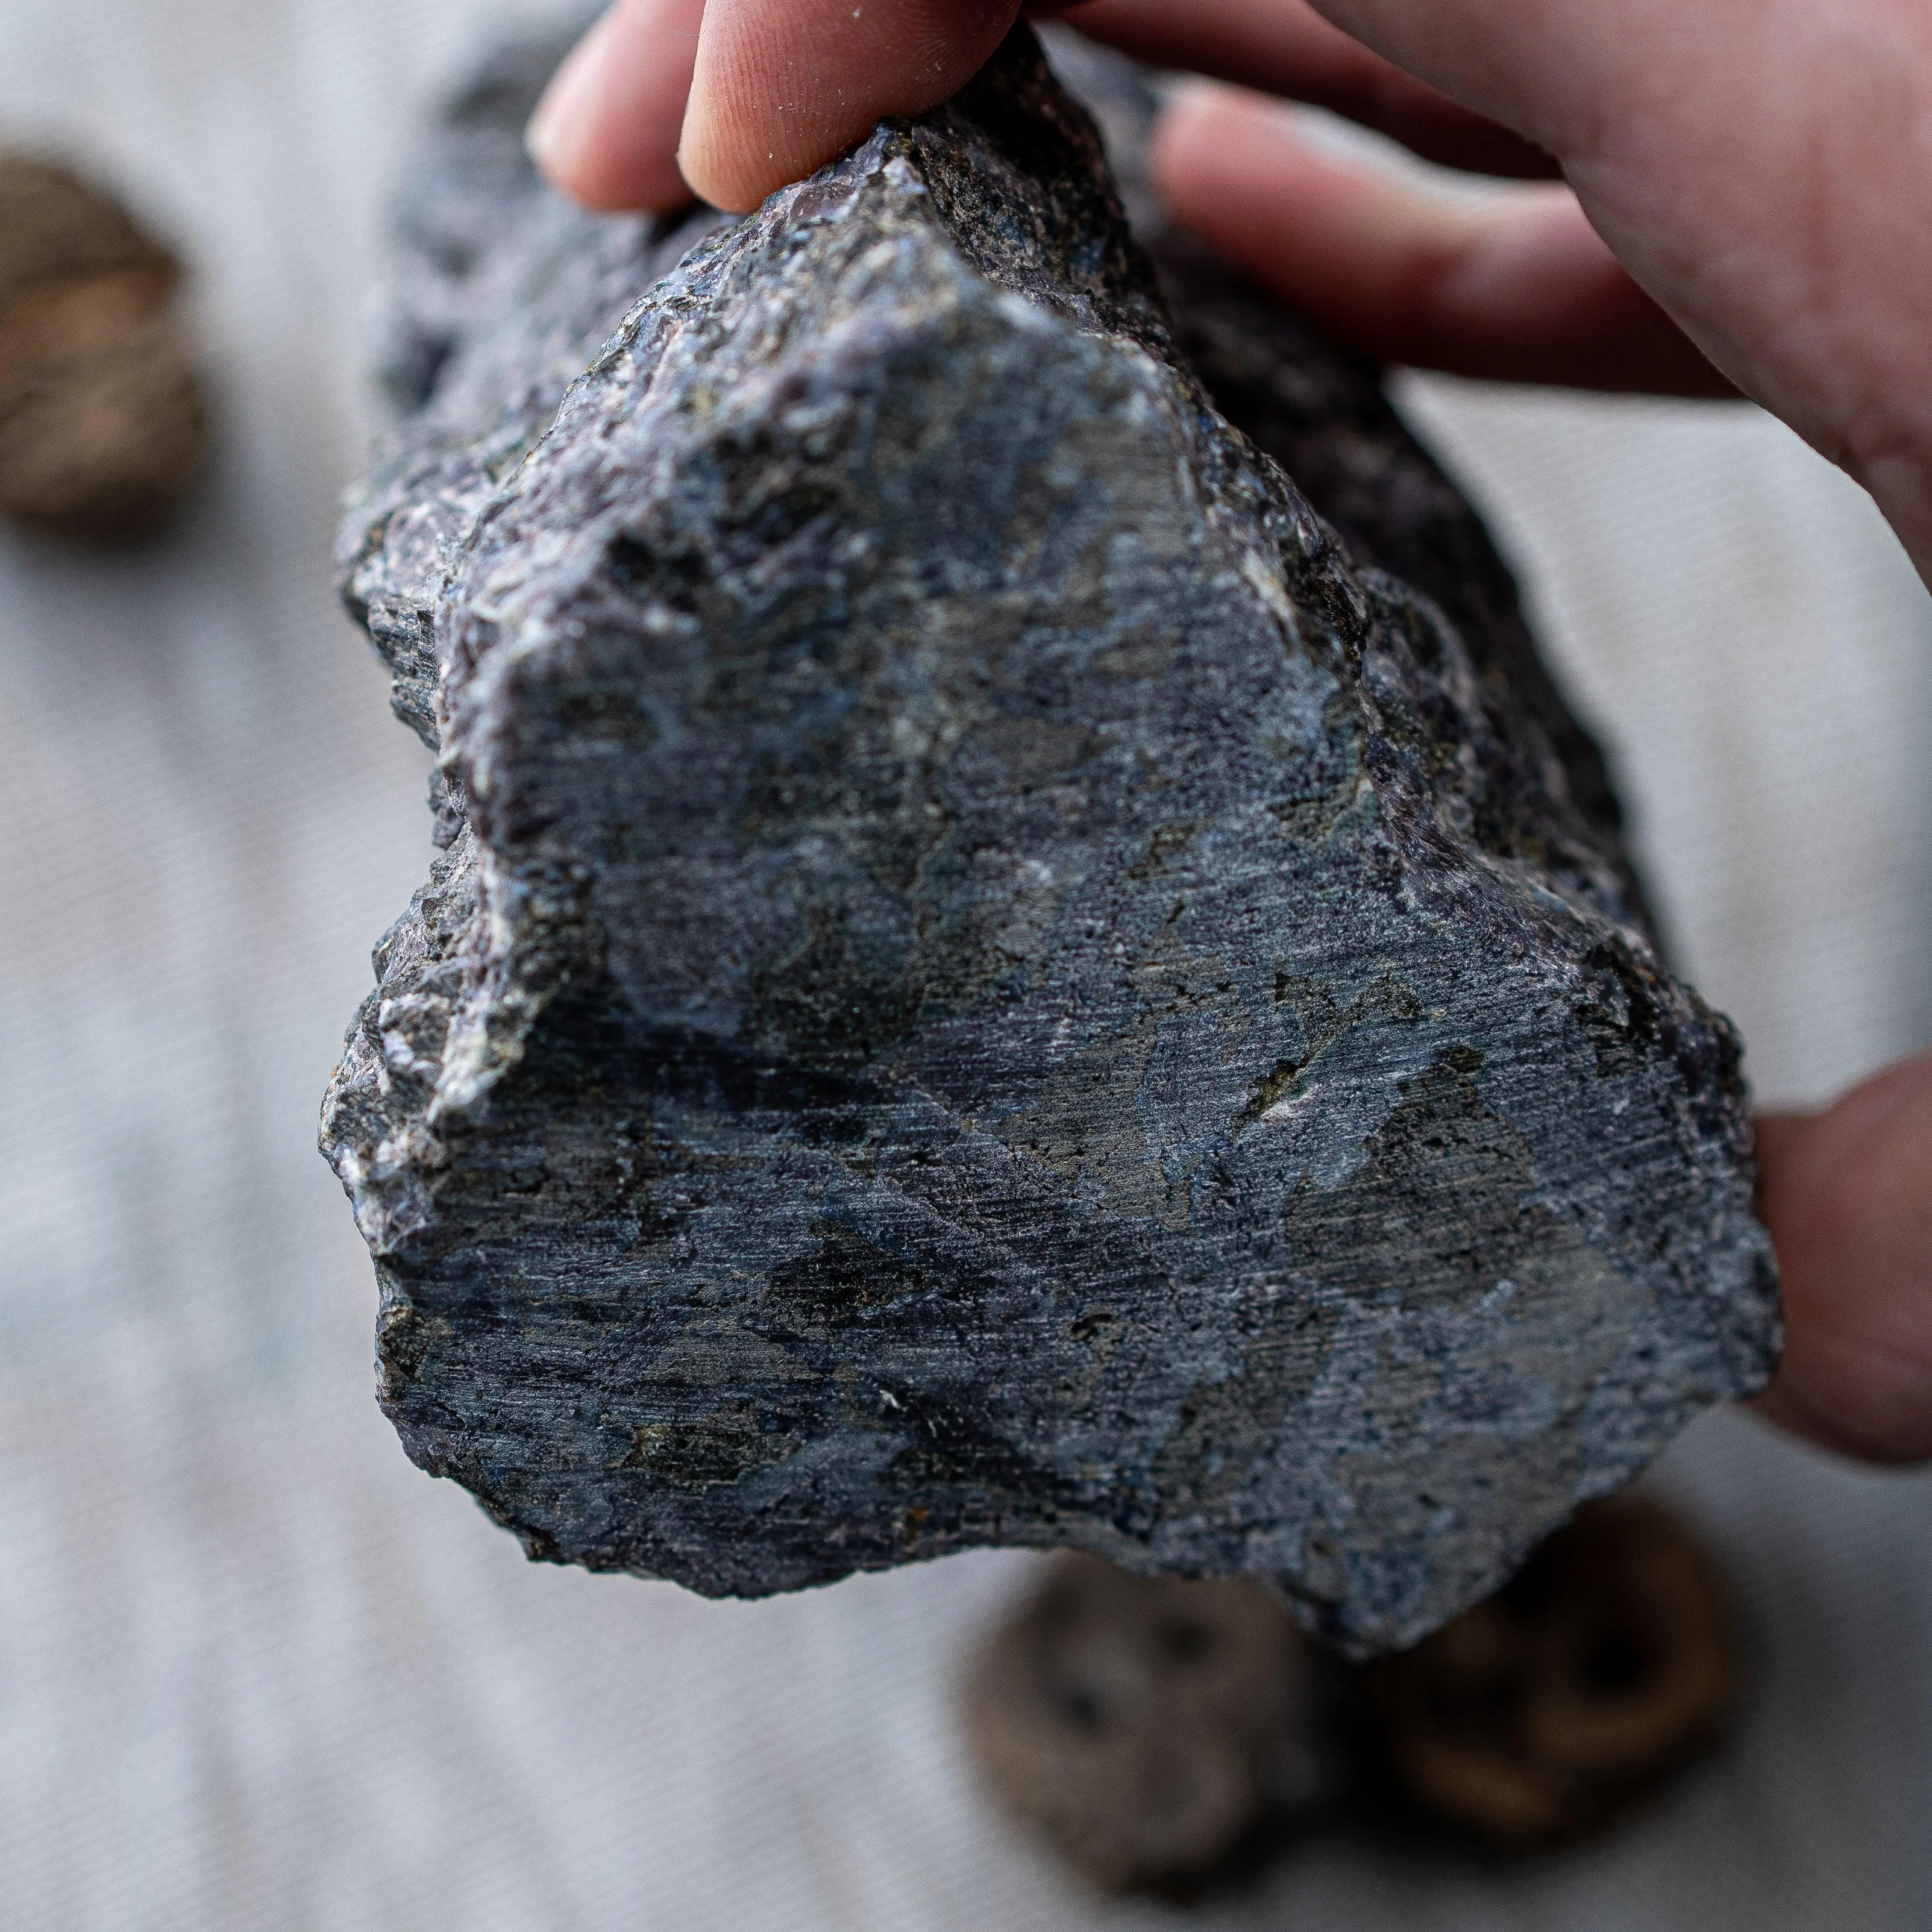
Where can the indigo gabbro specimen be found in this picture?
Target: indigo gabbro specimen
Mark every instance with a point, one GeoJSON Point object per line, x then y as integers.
{"type": "Point", "coordinates": [987, 984]}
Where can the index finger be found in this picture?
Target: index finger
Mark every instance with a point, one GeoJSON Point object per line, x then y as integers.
{"type": "Point", "coordinates": [1285, 47]}
{"type": "Point", "coordinates": [735, 98]}
{"type": "Point", "coordinates": [783, 86]}
{"type": "Point", "coordinates": [606, 131]}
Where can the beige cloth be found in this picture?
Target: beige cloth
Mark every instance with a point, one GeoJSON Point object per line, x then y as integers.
{"type": "Point", "coordinates": [256, 1672]}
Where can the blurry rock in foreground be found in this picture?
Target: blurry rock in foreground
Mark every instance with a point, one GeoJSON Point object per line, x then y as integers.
{"type": "Point", "coordinates": [990, 983]}
{"type": "Point", "coordinates": [102, 428]}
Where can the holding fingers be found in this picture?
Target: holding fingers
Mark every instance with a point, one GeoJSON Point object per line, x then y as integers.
{"type": "Point", "coordinates": [737, 97]}
{"type": "Point", "coordinates": [1518, 288]}
{"type": "Point", "coordinates": [1740, 208]}
{"type": "Point", "coordinates": [606, 131]}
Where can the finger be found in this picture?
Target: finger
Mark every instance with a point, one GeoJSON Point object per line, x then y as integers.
{"type": "Point", "coordinates": [1546, 71]}
{"type": "Point", "coordinates": [1285, 47]}
{"type": "Point", "coordinates": [1847, 1196]}
{"type": "Point", "coordinates": [782, 89]}
{"type": "Point", "coordinates": [1518, 287]}
{"type": "Point", "coordinates": [606, 131]}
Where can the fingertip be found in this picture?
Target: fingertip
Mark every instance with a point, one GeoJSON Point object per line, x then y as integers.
{"type": "Point", "coordinates": [1845, 1194]}
{"type": "Point", "coordinates": [733, 132]}
{"type": "Point", "coordinates": [780, 90]}
{"type": "Point", "coordinates": [1191, 104]}
{"type": "Point", "coordinates": [1190, 107]}
{"type": "Point", "coordinates": [554, 137]}
{"type": "Point", "coordinates": [1244, 162]}
{"type": "Point", "coordinates": [1871, 1403]}
{"type": "Point", "coordinates": [605, 133]}
{"type": "Point", "coordinates": [1202, 141]}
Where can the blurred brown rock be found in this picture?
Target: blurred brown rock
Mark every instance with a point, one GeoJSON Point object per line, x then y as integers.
{"type": "Point", "coordinates": [1154, 1728]}
{"type": "Point", "coordinates": [102, 428]}
{"type": "Point", "coordinates": [1167, 1736]}
{"type": "Point", "coordinates": [1609, 1662]}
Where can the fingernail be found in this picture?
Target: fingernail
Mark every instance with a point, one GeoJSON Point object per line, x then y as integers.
{"type": "Point", "coordinates": [557, 131]}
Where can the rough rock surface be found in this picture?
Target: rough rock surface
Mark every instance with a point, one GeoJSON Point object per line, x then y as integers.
{"type": "Point", "coordinates": [990, 981]}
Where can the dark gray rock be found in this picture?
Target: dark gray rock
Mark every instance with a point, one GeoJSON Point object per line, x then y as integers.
{"type": "Point", "coordinates": [991, 982]}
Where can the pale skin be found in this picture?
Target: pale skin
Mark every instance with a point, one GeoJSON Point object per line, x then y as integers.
{"type": "Point", "coordinates": [1716, 197]}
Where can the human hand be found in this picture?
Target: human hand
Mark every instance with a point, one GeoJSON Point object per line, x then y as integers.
{"type": "Point", "coordinates": [1847, 1196]}
{"type": "Point", "coordinates": [1745, 180]}
{"type": "Point", "coordinates": [1749, 176]}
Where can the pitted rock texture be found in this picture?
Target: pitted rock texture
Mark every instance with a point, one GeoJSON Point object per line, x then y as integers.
{"type": "Point", "coordinates": [990, 982]}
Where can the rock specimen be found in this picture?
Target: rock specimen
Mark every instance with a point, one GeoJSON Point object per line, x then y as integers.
{"type": "Point", "coordinates": [991, 982]}
{"type": "Point", "coordinates": [1159, 1733]}
{"type": "Point", "coordinates": [102, 427]}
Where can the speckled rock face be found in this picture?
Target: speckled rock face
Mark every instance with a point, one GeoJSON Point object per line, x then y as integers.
{"type": "Point", "coordinates": [990, 982]}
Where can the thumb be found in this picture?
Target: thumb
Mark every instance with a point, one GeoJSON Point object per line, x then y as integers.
{"type": "Point", "coordinates": [783, 86]}
{"type": "Point", "coordinates": [1847, 1194]}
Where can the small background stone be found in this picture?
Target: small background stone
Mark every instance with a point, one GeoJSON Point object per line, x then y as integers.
{"type": "Point", "coordinates": [103, 430]}
{"type": "Point", "coordinates": [1157, 1731]}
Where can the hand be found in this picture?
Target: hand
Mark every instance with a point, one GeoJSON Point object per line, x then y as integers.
{"type": "Point", "coordinates": [1750, 176]}
{"type": "Point", "coordinates": [1719, 196]}
{"type": "Point", "coordinates": [1847, 1196]}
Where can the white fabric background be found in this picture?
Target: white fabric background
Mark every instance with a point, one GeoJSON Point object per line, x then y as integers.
{"type": "Point", "coordinates": [255, 1670]}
